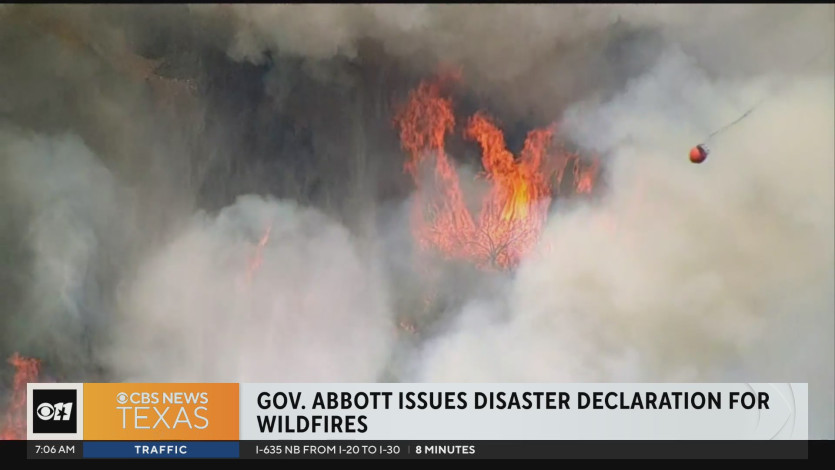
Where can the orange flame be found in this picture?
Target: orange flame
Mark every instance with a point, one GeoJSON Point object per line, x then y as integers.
{"type": "Point", "coordinates": [514, 209]}
{"type": "Point", "coordinates": [424, 124]}
{"type": "Point", "coordinates": [584, 177]}
{"type": "Point", "coordinates": [26, 371]}
{"type": "Point", "coordinates": [258, 258]}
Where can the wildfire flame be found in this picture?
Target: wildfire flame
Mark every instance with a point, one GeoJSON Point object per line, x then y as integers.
{"type": "Point", "coordinates": [584, 177]}
{"type": "Point", "coordinates": [26, 371]}
{"type": "Point", "coordinates": [257, 259]}
{"type": "Point", "coordinates": [514, 209]}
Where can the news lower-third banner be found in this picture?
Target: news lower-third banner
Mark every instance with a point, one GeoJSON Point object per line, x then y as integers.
{"type": "Point", "coordinates": [189, 412]}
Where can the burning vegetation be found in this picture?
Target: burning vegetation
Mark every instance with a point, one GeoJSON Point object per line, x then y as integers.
{"type": "Point", "coordinates": [521, 189]}
{"type": "Point", "coordinates": [14, 422]}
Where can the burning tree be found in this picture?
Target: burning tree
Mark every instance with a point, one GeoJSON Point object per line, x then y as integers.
{"type": "Point", "coordinates": [513, 211]}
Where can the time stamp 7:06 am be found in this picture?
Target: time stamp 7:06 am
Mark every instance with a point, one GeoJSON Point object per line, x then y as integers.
{"type": "Point", "coordinates": [45, 449]}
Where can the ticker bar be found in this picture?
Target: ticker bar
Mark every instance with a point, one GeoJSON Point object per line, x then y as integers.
{"type": "Point", "coordinates": [291, 449]}
{"type": "Point", "coordinates": [523, 449]}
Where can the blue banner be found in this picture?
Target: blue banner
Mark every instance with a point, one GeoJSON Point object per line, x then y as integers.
{"type": "Point", "coordinates": [165, 450]}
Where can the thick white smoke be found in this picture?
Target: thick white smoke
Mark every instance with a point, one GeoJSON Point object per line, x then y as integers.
{"type": "Point", "coordinates": [212, 305]}
{"type": "Point", "coordinates": [533, 58]}
{"type": "Point", "coordinates": [207, 305]}
{"type": "Point", "coordinates": [74, 222]}
{"type": "Point", "coordinates": [683, 273]}
{"type": "Point", "coordinates": [501, 42]}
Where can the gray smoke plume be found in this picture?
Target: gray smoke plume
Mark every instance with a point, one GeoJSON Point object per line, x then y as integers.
{"type": "Point", "coordinates": [216, 193]}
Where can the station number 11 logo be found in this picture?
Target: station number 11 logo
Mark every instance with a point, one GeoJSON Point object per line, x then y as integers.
{"type": "Point", "coordinates": [54, 411]}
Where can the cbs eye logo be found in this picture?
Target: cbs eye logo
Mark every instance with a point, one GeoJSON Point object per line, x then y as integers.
{"type": "Point", "coordinates": [54, 411]}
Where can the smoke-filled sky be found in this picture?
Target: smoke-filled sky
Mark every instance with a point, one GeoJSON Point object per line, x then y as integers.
{"type": "Point", "coordinates": [145, 153]}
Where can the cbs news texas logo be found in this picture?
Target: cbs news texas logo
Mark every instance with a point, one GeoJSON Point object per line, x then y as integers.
{"type": "Point", "coordinates": [161, 411]}
{"type": "Point", "coordinates": [54, 412]}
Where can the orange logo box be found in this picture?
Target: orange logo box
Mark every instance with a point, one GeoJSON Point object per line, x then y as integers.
{"type": "Point", "coordinates": [161, 412]}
